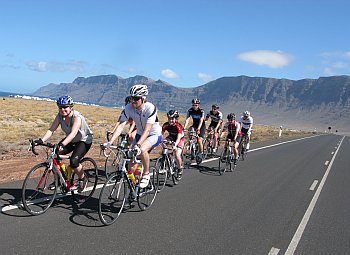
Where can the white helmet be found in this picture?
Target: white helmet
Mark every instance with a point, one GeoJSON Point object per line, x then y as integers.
{"type": "Point", "coordinates": [139, 90]}
{"type": "Point", "coordinates": [246, 113]}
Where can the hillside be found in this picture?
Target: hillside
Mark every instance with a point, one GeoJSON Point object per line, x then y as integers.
{"type": "Point", "coordinates": [301, 104]}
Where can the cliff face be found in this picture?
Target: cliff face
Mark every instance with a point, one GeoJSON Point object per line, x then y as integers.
{"type": "Point", "coordinates": [309, 103]}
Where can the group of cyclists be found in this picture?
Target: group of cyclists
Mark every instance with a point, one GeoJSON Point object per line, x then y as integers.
{"type": "Point", "coordinates": [145, 131]}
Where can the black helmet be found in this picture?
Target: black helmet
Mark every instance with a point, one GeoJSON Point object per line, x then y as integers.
{"type": "Point", "coordinates": [173, 114]}
{"type": "Point", "coordinates": [231, 116]}
{"type": "Point", "coordinates": [215, 106]}
{"type": "Point", "coordinates": [196, 101]}
{"type": "Point", "coordinates": [127, 100]}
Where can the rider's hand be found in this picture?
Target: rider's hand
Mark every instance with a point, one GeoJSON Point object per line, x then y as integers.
{"type": "Point", "coordinates": [198, 131]}
{"type": "Point", "coordinates": [107, 145]}
{"type": "Point", "coordinates": [61, 147]}
{"type": "Point", "coordinates": [38, 141]}
{"type": "Point", "coordinates": [137, 147]}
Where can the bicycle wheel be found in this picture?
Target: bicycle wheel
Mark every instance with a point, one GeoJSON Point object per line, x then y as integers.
{"type": "Point", "coordinates": [39, 189]}
{"type": "Point", "coordinates": [224, 161]}
{"type": "Point", "coordinates": [161, 172]}
{"type": "Point", "coordinates": [112, 163]}
{"type": "Point", "coordinates": [90, 173]}
{"type": "Point", "coordinates": [176, 177]}
{"type": "Point", "coordinates": [112, 198]}
{"type": "Point", "coordinates": [146, 196]}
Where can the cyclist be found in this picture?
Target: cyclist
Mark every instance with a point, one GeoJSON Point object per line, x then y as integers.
{"type": "Point", "coordinates": [132, 127]}
{"type": "Point", "coordinates": [198, 124]}
{"type": "Point", "coordinates": [233, 129]}
{"type": "Point", "coordinates": [78, 136]}
{"type": "Point", "coordinates": [149, 132]}
{"type": "Point", "coordinates": [176, 134]}
{"type": "Point", "coordinates": [246, 126]}
{"type": "Point", "coordinates": [215, 124]}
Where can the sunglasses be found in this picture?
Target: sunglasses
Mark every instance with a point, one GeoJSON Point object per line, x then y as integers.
{"type": "Point", "coordinates": [63, 107]}
{"type": "Point", "coordinates": [135, 98]}
{"type": "Point", "coordinates": [195, 105]}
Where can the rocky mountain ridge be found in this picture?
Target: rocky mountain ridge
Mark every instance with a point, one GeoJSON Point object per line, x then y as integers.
{"type": "Point", "coordinates": [302, 104]}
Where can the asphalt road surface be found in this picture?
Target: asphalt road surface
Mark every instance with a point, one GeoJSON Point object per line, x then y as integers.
{"type": "Point", "coordinates": [287, 197]}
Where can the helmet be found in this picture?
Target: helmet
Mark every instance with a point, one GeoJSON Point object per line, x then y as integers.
{"type": "Point", "coordinates": [231, 116]}
{"type": "Point", "coordinates": [127, 100]}
{"type": "Point", "coordinates": [196, 101]}
{"type": "Point", "coordinates": [139, 90]}
{"type": "Point", "coordinates": [65, 100]}
{"type": "Point", "coordinates": [246, 113]}
{"type": "Point", "coordinates": [173, 114]}
{"type": "Point", "coordinates": [215, 106]}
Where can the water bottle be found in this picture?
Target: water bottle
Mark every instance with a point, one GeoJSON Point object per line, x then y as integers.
{"type": "Point", "coordinates": [131, 176]}
{"type": "Point", "coordinates": [138, 171]}
{"type": "Point", "coordinates": [63, 169]}
{"type": "Point", "coordinates": [69, 172]}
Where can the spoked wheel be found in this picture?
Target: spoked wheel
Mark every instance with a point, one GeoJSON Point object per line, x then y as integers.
{"type": "Point", "coordinates": [176, 177]}
{"type": "Point", "coordinates": [147, 195]}
{"type": "Point", "coordinates": [112, 163]}
{"type": "Point", "coordinates": [39, 189]}
{"type": "Point", "coordinates": [161, 172]}
{"type": "Point", "coordinates": [91, 177]}
{"type": "Point", "coordinates": [224, 162]}
{"type": "Point", "coordinates": [112, 198]}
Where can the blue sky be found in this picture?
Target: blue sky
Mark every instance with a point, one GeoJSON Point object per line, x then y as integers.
{"type": "Point", "coordinates": [184, 42]}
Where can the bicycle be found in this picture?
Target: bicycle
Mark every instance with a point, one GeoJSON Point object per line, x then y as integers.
{"type": "Point", "coordinates": [166, 166]}
{"type": "Point", "coordinates": [191, 147]}
{"type": "Point", "coordinates": [208, 143]}
{"type": "Point", "coordinates": [226, 159]}
{"type": "Point", "coordinates": [42, 182]}
{"type": "Point", "coordinates": [243, 146]}
{"type": "Point", "coordinates": [119, 188]}
{"type": "Point", "coordinates": [114, 157]}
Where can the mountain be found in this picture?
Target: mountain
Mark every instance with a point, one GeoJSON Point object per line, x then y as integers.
{"type": "Point", "coordinates": [302, 104]}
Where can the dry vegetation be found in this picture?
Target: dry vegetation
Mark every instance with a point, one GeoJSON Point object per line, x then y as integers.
{"type": "Point", "coordinates": [22, 119]}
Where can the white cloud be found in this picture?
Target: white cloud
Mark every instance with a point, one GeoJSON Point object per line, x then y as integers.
{"type": "Point", "coordinates": [167, 73]}
{"type": "Point", "coordinates": [74, 66]}
{"type": "Point", "coordinates": [9, 66]}
{"type": "Point", "coordinates": [273, 59]}
{"type": "Point", "coordinates": [204, 77]}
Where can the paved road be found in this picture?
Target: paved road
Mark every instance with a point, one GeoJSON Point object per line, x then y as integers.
{"type": "Point", "coordinates": [287, 197]}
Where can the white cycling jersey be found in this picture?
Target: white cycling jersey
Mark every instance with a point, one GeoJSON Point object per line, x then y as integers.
{"type": "Point", "coordinates": [148, 114]}
{"type": "Point", "coordinates": [246, 123]}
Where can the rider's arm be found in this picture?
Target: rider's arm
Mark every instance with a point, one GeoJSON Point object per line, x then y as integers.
{"type": "Point", "coordinates": [120, 126]}
{"type": "Point", "coordinates": [73, 132]}
{"type": "Point", "coordinates": [200, 123]}
{"type": "Point", "coordinates": [52, 129]}
{"type": "Point", "coordinates": [186, 122]}
{"type": "Point", "coordinates": [238, 129]}
{"type": "Point", "coordinates": [131, 129]}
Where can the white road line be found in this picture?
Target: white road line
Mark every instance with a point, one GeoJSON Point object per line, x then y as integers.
{"type": "Point", "coordinates": [332, 152]}
{"type": "Point", "coordinates": [314, 184]}
{"type": "Point", "coordinates": [274, 251]}
{"type": "Point", "coordinates": [326, 163]}
{"type": "Point", "coordinates": [251, 150]}
{"type": "Point", "coordinates": [298, 234]}
{"type": "Point", "coordinates": [59, 195]}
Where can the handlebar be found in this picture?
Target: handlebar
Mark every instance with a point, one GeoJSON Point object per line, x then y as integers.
{"type": "Point", "coordinates": [33, 145]}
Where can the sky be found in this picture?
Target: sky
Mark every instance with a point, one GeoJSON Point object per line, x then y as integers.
{"type": "Point", "coordinates": [186, 43]}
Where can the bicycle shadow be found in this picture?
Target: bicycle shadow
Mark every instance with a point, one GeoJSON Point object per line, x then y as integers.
{"type": "Point", "coordinates": [214, 171]}
{"type": "Point", "coordinates": [11, 200]}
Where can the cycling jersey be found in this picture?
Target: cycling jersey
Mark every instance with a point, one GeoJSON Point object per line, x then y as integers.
{"type": "Point", "coordinates": [196, 116]}
{"type": "Point", "coordinates": [215, 118]}
{"type": "Point", "coordinates": [232, 127]}
{"type": "Point", "coordinates": [84, 133]}
{"type": "Point", "coordinates": [246, 123]}
{"type": "Point", "coordinates": [146, 115]}
{"type": "Point", "coordinates": [173, 130]}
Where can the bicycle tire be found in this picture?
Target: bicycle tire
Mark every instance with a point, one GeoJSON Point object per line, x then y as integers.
{"type": "Point", "coordinates": [112, 163]}
{"type": "Point", "coordinates": [91, 173]}
{"type": "Point", "coordinates": [37, 199]}
{"type": "Point", "coordinates": [112, 198]}
{"type": "Point", "coordinates": [224, 162]}
{"type": "Point", "coordinates": [146, 196]}
{"type": "Point", "coordinates": [161, 172]}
